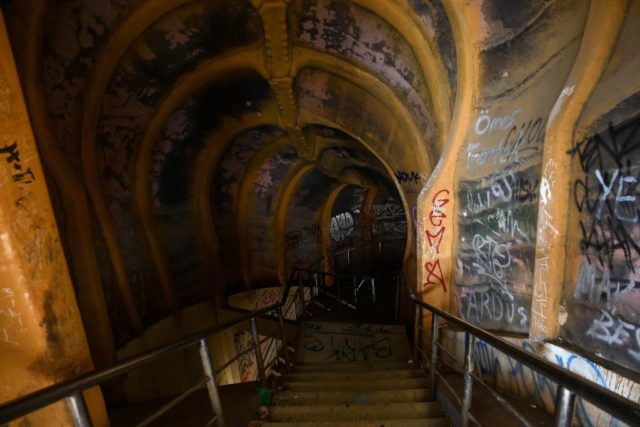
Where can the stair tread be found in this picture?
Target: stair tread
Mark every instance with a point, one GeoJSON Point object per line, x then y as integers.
{"type": "Point", "coordinates": [359, 375]}
{"type": "Point", "coordinates": [428, 422]}
{"type": "Point", "coordinates": [402, 383]}
{"type": "Point", "coordinates": [353, 374]}
{"type": "Point", "coordinates": [346, 412]}
{"type": "Point", "coordinates": [353, 366]}
{"type": "Point", "coordinates": [362, 397]}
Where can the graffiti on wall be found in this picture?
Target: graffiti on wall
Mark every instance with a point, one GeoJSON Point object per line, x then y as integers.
{"type": "Point", "coordinates": [348, 343]}
{"type": "Point", "coordinates": [389, 220]}
{"type": "Point", "coordinates": [498, 218]}
{"type": "Point", "coordinates": [303, 243]}
{"type": "Point", "coordinates": [434, 233]}
{"type": "Point", "coordinates": [518, 379]}
{"type": "Point", "coordinates": [606, 296]}
{"type": "Point", "coordinates": [411, 177]}
{"type": "Point", "coordinates": [246, 362]}
{"type": "Point", "coordinates": [342, 226]}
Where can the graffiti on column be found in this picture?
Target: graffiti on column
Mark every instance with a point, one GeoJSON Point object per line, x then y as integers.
{"type": "Point", "coordinates": [434, 233]}
{"type": "Point", "coordinates": [16, 172]}
{"type": "Point", "coordinates": [497, 220]}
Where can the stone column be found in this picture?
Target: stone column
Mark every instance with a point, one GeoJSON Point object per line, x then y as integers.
{"type": "Point", "coordinates": [42, 339]}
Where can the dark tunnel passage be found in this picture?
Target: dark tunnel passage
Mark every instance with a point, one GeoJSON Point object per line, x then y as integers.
{"type": "Point", "coordinates": [167, 162]}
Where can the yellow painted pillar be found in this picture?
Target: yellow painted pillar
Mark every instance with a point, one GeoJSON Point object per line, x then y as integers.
{"type": "Point", "coordinates": [436, 210]}
{"type": "Point", "coordinates": [42, 340]}
{"type": "Point", "coordinates": [601, 31]}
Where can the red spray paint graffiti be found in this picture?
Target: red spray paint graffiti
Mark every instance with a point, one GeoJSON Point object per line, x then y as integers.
{"type": "Point", "coordinates": [434, 237]}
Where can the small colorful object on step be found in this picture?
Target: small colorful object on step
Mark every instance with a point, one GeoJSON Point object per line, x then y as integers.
{"type": "Point", "coordinates": [264, 395]}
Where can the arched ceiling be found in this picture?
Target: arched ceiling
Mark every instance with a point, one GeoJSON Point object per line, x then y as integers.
{"type": "Point", "coordinates": [194, 134]}
{"type": "Point", "coordinates": [196, 148]}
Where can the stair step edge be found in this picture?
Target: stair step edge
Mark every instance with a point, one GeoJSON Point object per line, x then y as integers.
{"type": "Point", "coordinates": [287, 397]}
{"type": "Point", "coordinates": [408, 422]}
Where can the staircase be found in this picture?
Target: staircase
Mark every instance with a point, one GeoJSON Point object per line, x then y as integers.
{"type": "Point", "coordinates": [352, 374]}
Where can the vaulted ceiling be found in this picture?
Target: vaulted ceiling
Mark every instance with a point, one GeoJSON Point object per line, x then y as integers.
{"type": "Point", "coordinates": [194, 145]}
{"type": "Point", "coordinates": [196, 148]}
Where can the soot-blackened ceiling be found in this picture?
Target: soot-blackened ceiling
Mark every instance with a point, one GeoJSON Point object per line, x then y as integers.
{"type": "Point", "coordinates": [205, 141]}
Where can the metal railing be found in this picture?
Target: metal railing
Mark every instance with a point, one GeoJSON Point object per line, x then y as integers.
{"type": "Point", "coordinates": [343, 288]}
{"type": "Point", "coordinates": [569, 384]}
{"type": "Point", "coordinates": [292, 306]}
{"type": "Point", "coordinates": [373, 250]}
{"type": "Point", "coordinates": [71, 390]}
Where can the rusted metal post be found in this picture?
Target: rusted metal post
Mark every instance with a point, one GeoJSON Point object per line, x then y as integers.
{"type": "Point", "coordinates": [78, 409]}
{"type": "Point", "coordinates": [565, 403]}
{"type": "Point", "coordinates": [283, 335]}
{"type": "Point", "coordinates": [435, 330]}
{"type": "Point", "coordinates": [258, 351]}
{"type": "Point", "coordinates": [468, 379]}
{"type": "Point", "coordinates": [212, 388]}
{"type": "Point", "coordinates": [416, 336]}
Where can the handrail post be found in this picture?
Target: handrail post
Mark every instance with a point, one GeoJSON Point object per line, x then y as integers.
{"type": "Point", "coordinates": [435, 331]}
{"type": "Point", "coordinates": [212, 387]}
{"type": "Point", "coordinates": [301, 299]}
{"type": "Point", "coordinates": [396, 307]}
{"type": "Point", "coordinates": [416, 336]}
{"type": "Point", "coordinates": [78, 409]}
{"type": "Point", "coordinates": [468, 379]}
{"type": "Point", "coordinates": [565, 403]}
{"type": "Point", "coordinates": [355, 290]}
{"type": "Point", "coordinates": [315, 285]}
{"type": "Point", "coordinates": [284, 336]}
{"type": "Point", "coordinates": [258, 352]}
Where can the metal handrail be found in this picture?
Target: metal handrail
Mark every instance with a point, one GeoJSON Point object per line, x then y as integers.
{"type": "Point", "coordinates": [72, 389]}
{"type": "Point", "coordinates": [48, 395]}
{"type": "Point", "coordinates": [569, 384]}
{"type": "Point", "coordinates": [356, 283]}
{"type": "Point", "coordinates": [338, 275]}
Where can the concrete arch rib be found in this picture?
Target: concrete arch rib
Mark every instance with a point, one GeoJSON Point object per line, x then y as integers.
{"type": "Point", "coordinates": [86, 270]}
{"type": "Point", "coordinates": [468, 33]}
{"type": "Point", "coordinates": [188, 84]}
{"type": "Point", "coordinates": [244, 189]}
{"type": "Point", "coordinates": [325, 221]}
{"type": "Point", "coordinates": [203, 75]}
{"type": "Point", "coordinates": [306, 118]}
{"type": "Point", "coordinates": [431, 63]}
{"type": "Point", "coordinates": [130, 29]}
{"type": "Point", "coordinates": [309, 58]}
{"type": "Point", "coordinates": [290, 184]}
{"type": "Point", "coordinates": [216, 143]}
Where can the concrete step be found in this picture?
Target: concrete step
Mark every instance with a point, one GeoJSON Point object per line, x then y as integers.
{"type": "Point", "coordinates": [349, 412]}
{"type": "Point", "coordinates": [359, 397]}
{"type": "Point", "coordinates": [352, 366]}
{"type": "Point", "coordinates": [356, 375]}
{"type": "Point", "coordinates": [321, 342]}
{"type": "Point", "coordinates": [429, 422]}
{"type": "Point", "coordinates": [364, 385]}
